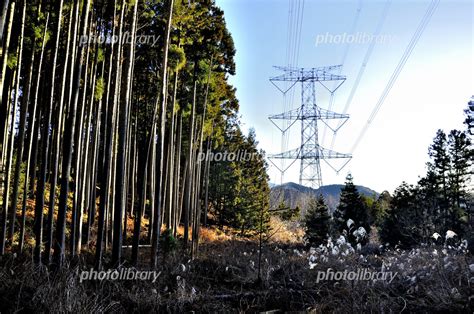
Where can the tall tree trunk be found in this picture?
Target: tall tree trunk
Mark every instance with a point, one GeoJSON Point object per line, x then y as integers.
{"type": "Point", "coordinates": [120, 191]}
{"type": "Point", "coordinates": [10, 148]}
{"type": "Point", "coordinates": [57, 145]}
{"type": "Point", "coordinates": [160, 151]}
{"type": "Point", "coordinates": [206, 180]}
{"type": "Point", "coordinates": [107, 159]}
{"type": "Point", "coordinates": [190, 172]}
{"type": "Point", "coordinates": [143, 183]}
{"type": "Point", "coordinates": [4, 178]}
{"type": "Point", "coordinates": [94, 162]}
{"type": "Point", "coordinates": [3, 16]}
{"type": "Point", "coordinates": [197, 205]}
{"type": "Point", "coordinates": [171, 158]}
{"type": "Point", "coordinates": [81, 154]}
{"type": "Point", "coordinates": [59, 251]}
{"type": "Point", "coordinates": [7, 42]}
{"type": "Point", "coordinates": [4, 47]}
{"type": "Point", "coordinates": [176, 193]}
{"type": "Point", "coordinates": [44, 153]}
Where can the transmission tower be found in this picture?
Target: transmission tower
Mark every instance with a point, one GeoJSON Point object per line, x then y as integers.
{"type": "Point", "coordinates": [310, 153]}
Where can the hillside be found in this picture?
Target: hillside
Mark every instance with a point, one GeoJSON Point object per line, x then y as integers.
{"type": "Point", "coordinates": [298, 195]}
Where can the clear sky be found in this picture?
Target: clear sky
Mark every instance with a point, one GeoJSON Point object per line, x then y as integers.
{"type": "Point", "coordinates": [430, 93]}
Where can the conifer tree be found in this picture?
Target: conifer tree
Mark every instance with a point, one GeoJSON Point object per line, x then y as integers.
{"type": "Point", "coordinates": [469, 111]}
{"type": "Point", "coordinates": [317, 221]}
{"type": "Point", "coordinates": [403, 224]}
{"type": "Point", "coordinates": [351, 206]}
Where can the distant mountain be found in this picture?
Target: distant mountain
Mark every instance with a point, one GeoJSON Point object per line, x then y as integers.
{"type": "Point", "coordinates": [294, 194]}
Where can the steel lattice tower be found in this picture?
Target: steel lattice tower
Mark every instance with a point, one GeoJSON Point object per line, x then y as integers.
{"type": "Point", "coordinates": [310, 153]}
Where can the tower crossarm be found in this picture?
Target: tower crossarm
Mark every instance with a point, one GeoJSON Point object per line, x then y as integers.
{"type": "Point", "coordinates": [292, 74]}
{"type": "Point", "coordinates": [296, 69]}
{"type": "Point", "coordinates": [308, 113]}
{"type": "Point", "coordinates": [310, 152]}
{"type": "Point", "coordinates": [289, 115]}
{"type": "Point", "coordinates": [290, 154]}
{"type": "Point", "coordinates": [330, 154]}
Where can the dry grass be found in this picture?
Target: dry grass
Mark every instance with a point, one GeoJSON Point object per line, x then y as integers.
{"type": "Point", "coordinates": [285, 232]}
{"type": "Point", "coordinates": [223, 278]}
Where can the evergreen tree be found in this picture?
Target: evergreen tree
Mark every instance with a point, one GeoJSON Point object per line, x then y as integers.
{"type": "Point", "coordinates": [429, 201]}
{"type": "Point", "coordinates": [441, 199]}
{"type": "Point", "coordinates": [286, 212]}
{"type": "Point", "coordinates": [239, 187]}
{"type": "Point", "coordinates": [317, 221]}
{"type": "Point", "coordinates": [370, 203]}
{"type": "Point", "coordinates": [380, 207]}
{"type": "Point", "coordinates": [403, 223]}
{"type": "Point", "coordinates": [469, 122]}
{"type": "Point", "coordinates": [290, 214]}
{"type": "Point", "coordinates": [439, 166]}
{"type": "Point", "coordinates": [447, 181]}
{"type": "Point", "coordinates": [461, 154]}
{"type": "Point", "coordinates": [252, 188]}
{"type": "Point", "coordinates": [351, 206]}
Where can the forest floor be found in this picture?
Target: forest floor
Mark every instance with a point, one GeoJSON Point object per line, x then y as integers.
{"type": "Point", "coordinates": [223, 277]}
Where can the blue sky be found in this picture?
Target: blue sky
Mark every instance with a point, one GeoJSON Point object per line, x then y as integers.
{"type": "Point", "coordinates": [430, 93]}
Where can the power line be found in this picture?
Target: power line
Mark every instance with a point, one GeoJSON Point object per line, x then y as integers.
{"type": "Point", "coordinates": [298, 33]}
{"type": "Point", "coordinates": [344, 57]}
{"type": "Point", "coordinates": [409, 49]}
{"type": "Point", "coordinates": [365, 61]}
{"type": "Point", "coordinates": [294, 30]}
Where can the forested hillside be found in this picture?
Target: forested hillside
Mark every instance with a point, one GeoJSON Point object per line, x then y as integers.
{"type": "Point", "coordinates": [295, 195]}
{"type": "Point", "coordinates": [98, 131]}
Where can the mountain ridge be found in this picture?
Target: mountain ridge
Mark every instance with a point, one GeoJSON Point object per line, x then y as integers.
{"type": "Point", "coordinates": [295, 194]}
